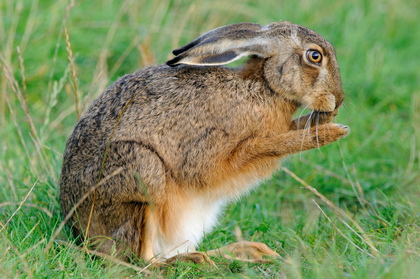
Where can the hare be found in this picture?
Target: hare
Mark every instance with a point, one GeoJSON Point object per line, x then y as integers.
{"type": "Point", "coordinates": [152, 162]}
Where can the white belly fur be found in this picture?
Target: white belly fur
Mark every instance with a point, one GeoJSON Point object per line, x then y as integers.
{"type": "Point", "coordinates": [197, 215]}
{"type": "Point", "coordinates": [195, 218]}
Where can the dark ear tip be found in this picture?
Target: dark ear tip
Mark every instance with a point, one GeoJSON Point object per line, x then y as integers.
{"type": "Point", "coordinates": [184, 48]}
{"type": "Point", "coordinates": [177, 51]}
{"type": "Point", "coordinates": [173, 62]}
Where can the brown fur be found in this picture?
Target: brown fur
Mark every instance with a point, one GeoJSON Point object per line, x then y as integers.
{"type": "Point", "coordinates": [187, 131]}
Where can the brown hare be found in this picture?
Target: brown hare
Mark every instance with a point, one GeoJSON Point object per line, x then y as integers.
{"type": "Point", "coordinates": [192, 135]}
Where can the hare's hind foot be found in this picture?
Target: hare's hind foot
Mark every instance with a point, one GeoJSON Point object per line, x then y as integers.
{"type": "Point", "coordinates": [194, 257]}
{"type": "Point", "coordinates": [246, 251]}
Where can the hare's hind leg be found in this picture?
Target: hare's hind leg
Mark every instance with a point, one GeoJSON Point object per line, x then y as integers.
{"type": "Point", "coordinates": [135, 235]}
{"type": "Point", "coordinates": [123, 207]}
{"type": "Point", "coordinates": [127, 240]}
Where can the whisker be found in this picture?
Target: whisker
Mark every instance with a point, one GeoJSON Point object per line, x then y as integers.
{"type": "Point", "coordinates": [346, 111]}
{"type": "Point", "coordinates": [316, 129]}
{"type": "Point", "coordinates": [308, 121]}
{"type": "Point", "coordinates": [303, 110]}
{"type": "Point", "coordinates": [350, 103]}
{"type": "Point", "coordinates": [307, 128]}
{"type": "Point", "coordinates": [301, 113]}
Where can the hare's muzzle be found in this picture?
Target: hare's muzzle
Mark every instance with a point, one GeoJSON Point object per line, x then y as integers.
{"type": "Point", "coordinates": [339, 98]}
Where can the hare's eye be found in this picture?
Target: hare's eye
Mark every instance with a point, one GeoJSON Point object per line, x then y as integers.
{"type": "Point", "coordinates": [314, 56]}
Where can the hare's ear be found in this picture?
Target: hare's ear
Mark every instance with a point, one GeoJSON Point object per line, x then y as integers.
{"type": "Point", "coordinates": [224, 45]}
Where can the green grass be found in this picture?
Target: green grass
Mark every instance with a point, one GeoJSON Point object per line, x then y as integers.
{"type": "Point", "coordinates": [369, 226]}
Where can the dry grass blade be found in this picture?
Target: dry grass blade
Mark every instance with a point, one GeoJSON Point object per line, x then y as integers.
{"type": "Point", "coordinates": [340, 213]}
{"type": "Point", "coordinates": [22, 73]}
{"type": "Point", "coordinates": [46, 211]}
{"type": "Point", "coordinates": [19, 207]}
{"type": "Point", "coordinates": [72, 73]}
{"type": "Point", "coordinates": [122, 57]}
{"type": "Point", "coordinates": [326, 171]}
{"type": "Point", "coordinates": [14, 85]}
{"type": "Point", "coordinates": [79, 202]}
{"type": "Point", "coordinates": [10, 40]}
{"type": "Point", "coordinates": [30, 24]}
{"type": "Point", "coordinates": [176, 36]}
{"type": "Point", "coordinates": [57, 45]}
{"type": "Point", "coordinates": [356, 187]}
{"type": "Point", "coordinates": [101, 66]}
{"type": "Point", "coordinates": [27, 252]}
{"type": "Point", "coordinates": [19, 132]}
{"type": "Point", "coordinates": [415, 150]}
{"type": "Point", "coordinates": [339, 231]}
{"type": "Point", "coordinates": [15, 250]}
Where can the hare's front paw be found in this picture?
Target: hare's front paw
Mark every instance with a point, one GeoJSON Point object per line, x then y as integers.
{"type": "Point", "coordinates": [328, 133]}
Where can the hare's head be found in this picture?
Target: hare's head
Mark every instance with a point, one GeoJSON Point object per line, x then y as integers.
{"type": "Point", "coordinates": [298, 64]}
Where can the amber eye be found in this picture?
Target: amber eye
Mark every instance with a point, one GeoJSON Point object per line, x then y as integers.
{"type": "Point", "coordinates": [314, 56]}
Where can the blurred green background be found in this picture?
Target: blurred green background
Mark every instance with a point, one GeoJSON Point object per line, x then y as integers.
{"type": "Point", "coordinates": [53, 53]}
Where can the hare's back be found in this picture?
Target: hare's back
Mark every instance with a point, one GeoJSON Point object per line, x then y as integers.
{"type": "Point", "coordinates": [165, 107]}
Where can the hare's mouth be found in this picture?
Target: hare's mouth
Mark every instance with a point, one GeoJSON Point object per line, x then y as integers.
{"type": "Point", "coordinates": [320, 101]}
